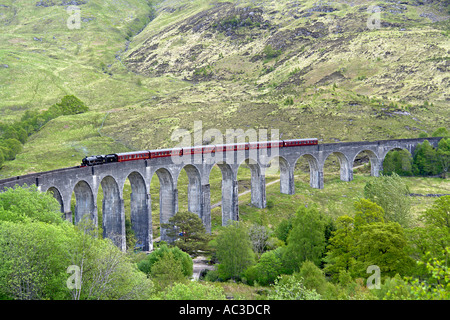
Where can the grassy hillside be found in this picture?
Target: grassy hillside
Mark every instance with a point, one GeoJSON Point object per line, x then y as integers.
{"type": "Point", "coordinates": [305, 68]}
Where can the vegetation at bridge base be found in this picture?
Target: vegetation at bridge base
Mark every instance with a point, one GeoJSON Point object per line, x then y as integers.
{"type": "Point", "coordinates": [426, 160]}
{"type": "Point", "coordinates": [14, 136]}
{"type": "Point", "coordinates": [307, 255]}
{"type": "Point", "coordinates": [37, 247]}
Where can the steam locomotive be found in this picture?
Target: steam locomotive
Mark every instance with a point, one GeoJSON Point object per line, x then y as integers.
{"type": "Point", "coordinates": [162, 153]}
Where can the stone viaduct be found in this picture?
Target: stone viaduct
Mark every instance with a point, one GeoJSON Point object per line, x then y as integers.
{"type": "Point", "coordinates": [84, 182]}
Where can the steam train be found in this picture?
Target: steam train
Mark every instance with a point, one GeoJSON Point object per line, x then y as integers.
{"type": "Point", "coordinates": [163, 153]}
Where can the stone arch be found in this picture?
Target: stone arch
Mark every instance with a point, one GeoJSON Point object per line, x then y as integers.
{"type": "Point", "coordinates": [315, 170]}
{"type": "Point", "coordinates": [393, 148]}
{"type": "Point", "coordinates": [346, 169]}
{"type": "Point", "coordinates": [286, 178]}
{"type": "Point", "coordinates": [229, 200]}
{"type": "Point", "coordinates": [57, 195]}
{"type": "Point", "coordinates": [194, 190]}
{"type": "Point", "coordinates": [258, 183]}
{"type": "Point", "coordinates": [389, 149]}
{"type": "Point", "coordinates": [140, 211]}
{"type": "Point", "coordinates": [168, 199]}
{"type": "Point", "coordinates": [85, 204]}
{"type": "Point", "coordinates": [374, 162]}
{"type": "Point", "coordinates": [113, 215]}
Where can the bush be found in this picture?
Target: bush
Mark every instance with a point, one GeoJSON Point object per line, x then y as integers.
{"type": "Point", "coordinates": [270, 52]}
{"type": "Point", "coordinates": [292, 288]}
{"type": "Point", "coordinates": [194, 291]}
{"type": "Point", "coordinates": [183, 258]}
{"type": "Point", "coordinates": [268, 268]}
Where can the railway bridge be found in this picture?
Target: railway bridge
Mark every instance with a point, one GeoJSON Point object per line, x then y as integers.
{"type": "Point", "coordinates": [85, 182]}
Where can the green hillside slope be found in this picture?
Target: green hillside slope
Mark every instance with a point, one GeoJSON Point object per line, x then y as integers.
{"type": "Point", "coordinates": [305, 68]}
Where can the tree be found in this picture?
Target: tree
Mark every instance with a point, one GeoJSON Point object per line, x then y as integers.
{"type": "Point", "coordinates": [306, 240]}
{"type": "Point", "coordinates": [436, 288]}
{"type": "Point", "coordinates": [69, 105]}
{"type": "Point", "coordinates": [383, 245]}
{"type": "Point", "coordinates": [367, 240]}
{"type": "Point", "coordinates": [367, 212]}
{"type": "Point", "coordinates": [188, 232]}
{"type": "Point", "coordinates": [425, 160]}
{"type": "Point", "coordinates": [258, 236]}
{"type": "Point", "coordinates": [265, 272]}
{"type": "Point", "coordinates": [341, 255]}
{"type": "Point", "coordinates": [314, 278]}
{"type": "Point", "coordinates": [432, 239]}
{"type": "Point", "coordinates": [106, 272]}
{"type": "Point", "coordinates": [398, 161]}
{"type": "Point", "coordinates": [391, 194]}
{"type": "Point", "coordinates": [13, 147]}
{"type": "Point", "coordinates": [234, 251]}
{"type": "Point", "coordinates": [443, 153]}
{"type": "Point", "coordinates": [283, 229]}
{"type": "Point", "coordinates": [441, 132]}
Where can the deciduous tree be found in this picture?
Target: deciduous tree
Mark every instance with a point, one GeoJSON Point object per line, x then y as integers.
{"type": "Point", "coordinates": [392, 194]}
{"type": "Point", "coordinates": [234, 251]}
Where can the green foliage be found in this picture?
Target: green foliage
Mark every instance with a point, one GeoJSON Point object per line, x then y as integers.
{"type": "Point", "coordinates": [188, 232]}
{"type": "Point", "coordinates": [340, 255]}
{"type": "Point", "coordinates": [423, 135]}
{"type": "Point", "coordinates": [167, 270]}
{"type": "Point", "coordinates": [266, 271]}
{"type": "Point", "coordinates": [306, 240]}
{"type": "Point", "coordinates": [426, 160]}
{"type": "Point", "coordinates": [12, 147]}
{"type": "Point", "coordinates": [27, 204]}
{"type": "Point", "coordinates": [441, 132]}
{"type": "Point", "coordinates": [313, 276]}
{"type": "Point", "coordinates": [107, 273]}
{"type": "Point", "coordinates": [184, 260]}
{"type": "Point", "coordinates": [194, 291]}
{"type": "Point", "coordinates": [13, 136]}
{"type": "Point", "coordinates": [443, 153]}
{"type": "Point", "coordinates": [289, 101]}
{"type": "Point", "coordinates": [432, 239]}
{"type": "Point", "coordinates": [259, 236]}
{"type": "Point", "coordinates": [392, 194]}
{"type": "Point", "coordinates": [383, 245]}
{"type": "Point", "coordinates": [69, 105]}
{"type": "Point", "coordinates": [367, 240]}
{"type": "Point", "coordinates": [283, 228]}
{"type": "Point", "coordinates": [367, 212]}
{"type": "Point", "coordinates": [270, 52]}
{"type": "Point", "coordinates": [234, 251]}
{"type": "Point", "coordinates": [398, 161]}
{"type": "Point", "coordinates": [33, 260]}
{"type": "Point", "coordinates": [291, 287]}
{"type": "Point", "coordinates": [414, 289]}
{"type": "Point", "coordinates": [37, 247]}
